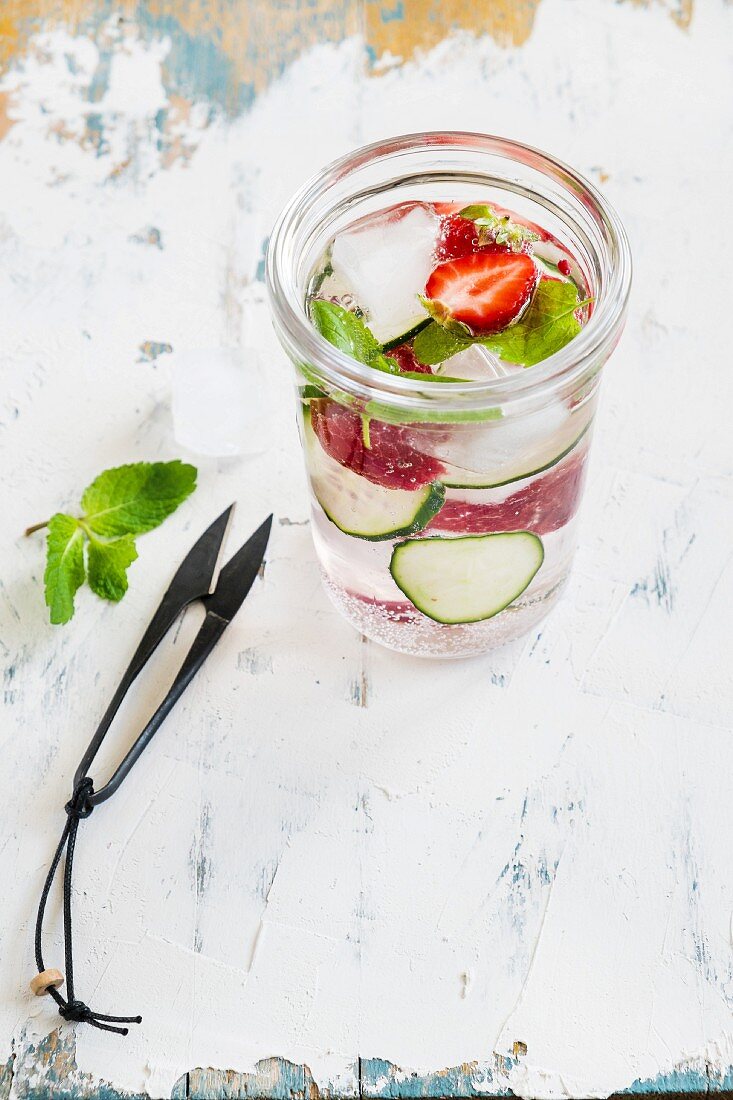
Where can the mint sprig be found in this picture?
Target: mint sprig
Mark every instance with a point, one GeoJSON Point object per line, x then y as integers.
{"type": "Point", "coordinates": [99, 545]}
{"type": "Point", "coordinates": [349, 334]}
{"type": "Point", "coordinates": [548, 324]}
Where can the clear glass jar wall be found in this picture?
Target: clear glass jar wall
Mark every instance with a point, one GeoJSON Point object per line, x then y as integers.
{"type": "Point", "coordinates": [500, 463]}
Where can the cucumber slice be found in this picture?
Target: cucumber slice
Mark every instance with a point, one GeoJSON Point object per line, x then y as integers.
{"type": "Point", "coordinates": [359, 507]}
{"type": "Point", "coordinates": [457, 478]}
{"type": "Point", "coordinates": [466, 579]}
{"type": "Point", "coordinates": [411, 333]}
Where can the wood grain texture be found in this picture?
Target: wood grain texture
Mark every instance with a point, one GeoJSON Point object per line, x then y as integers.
{"type": "Point", "coordinates": [230, 50]}
{"type": "Point", "coordinates": [342, 872]}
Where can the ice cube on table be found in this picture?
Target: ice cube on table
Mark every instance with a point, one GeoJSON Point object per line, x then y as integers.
{"type": "Point", "coordinates": [385, 261]}
{"type": "Point", "coordinates": [220, 401]}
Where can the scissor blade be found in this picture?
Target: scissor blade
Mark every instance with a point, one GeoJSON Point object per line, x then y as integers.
{"type": "Point", "coordinates": [238, 575]}
{"type": "Point", "coordinates": [196, 575]}
{"type": "Point", "coordinates": [192, 580]}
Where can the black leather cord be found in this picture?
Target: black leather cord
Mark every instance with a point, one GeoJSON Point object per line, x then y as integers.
{"type": "Point", "coordinates": [70, 1008]}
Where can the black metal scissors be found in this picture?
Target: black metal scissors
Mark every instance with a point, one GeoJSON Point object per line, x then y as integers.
{"type": "Point", "coordinates": [195, 579]}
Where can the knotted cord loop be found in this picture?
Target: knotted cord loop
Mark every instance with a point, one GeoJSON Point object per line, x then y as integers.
{"type": "Point", "coordinates": [78, 807]}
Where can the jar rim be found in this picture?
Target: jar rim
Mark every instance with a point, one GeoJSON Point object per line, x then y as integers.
{"type": "Point", "coordinates": [573, 361]}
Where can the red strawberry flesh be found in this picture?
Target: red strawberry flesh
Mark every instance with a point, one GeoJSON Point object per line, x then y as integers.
{"type": "Point", "coordinates": [406, 361]}
{"type": "Point", "coordinates": [486, 290]}
{"type": "Point", "coordinates": [457, 237]}
{"type": "Point", "coordinates": [390, 460]}
{"type": "Point", "coordinates": [542, 506]}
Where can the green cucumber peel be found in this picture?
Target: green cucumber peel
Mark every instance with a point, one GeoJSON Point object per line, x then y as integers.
{"type": "Point", "coordinates": [452, 480]}
{"type": "Point", "coordinates": [397, 341]}
{"type": "Point", "coordinates": [469, 578]}
{"type": "Point", "coordinates": [433, 499]}
{"type": "Point", "coordinates": [359, 507]}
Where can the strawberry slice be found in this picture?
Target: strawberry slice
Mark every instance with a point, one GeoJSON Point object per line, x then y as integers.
{"type": "Point", "coordinates": [459, 236]}
{"type": "Point", "coordinates": [406, 361]}
{"type": "Point", "coordinates": [543, 505]}
{"type": "Point", "coordinates": [389, 460]}
{"type": "Point", "coordinates": [486, 290]}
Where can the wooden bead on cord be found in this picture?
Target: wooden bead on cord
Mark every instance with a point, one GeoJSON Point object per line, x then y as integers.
{"type": "Point", "coordinates": [47, 979]}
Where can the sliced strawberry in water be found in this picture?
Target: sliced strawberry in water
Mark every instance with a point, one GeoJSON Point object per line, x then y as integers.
{"type": "Point", "coordinates": [542, 506]}
{"type": "Point", "coordinates": [457, 237]}
{"type": "Point", "coordinates": [406, 361]}
{"type": "Point", "coordinates": [389, 460]}
{"type": "Point", "coordinates": [486, 290]}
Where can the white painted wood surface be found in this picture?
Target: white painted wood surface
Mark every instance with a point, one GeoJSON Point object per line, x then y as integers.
{"type": "Point", "coordinates": [331, 851]}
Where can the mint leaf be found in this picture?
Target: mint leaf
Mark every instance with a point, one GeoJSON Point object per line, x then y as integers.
{"type": "Point", "coordinates": [349, 334]}
{"type": "Point", "coordinates": [136, 498]}
{"type": "Point", "coordinates": [498, 228]}
{"type": "Point", "coordinates": [423, 376]}
{"type": "Point", "coordinates": [312, 393]}
{"type": "Point", "coordinates": [122, 502]}
{"type": "Point", "coordinates": [548, 324]}
{"type": "Point", "coordinates": [435, 344]}
{"type": "Point", "coordinates": [64, 572]}
{"type": "Point", "coordinates": [107, 564]}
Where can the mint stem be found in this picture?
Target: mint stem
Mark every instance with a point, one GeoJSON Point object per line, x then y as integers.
{"type": "Point", "coordinates": [35, 527]}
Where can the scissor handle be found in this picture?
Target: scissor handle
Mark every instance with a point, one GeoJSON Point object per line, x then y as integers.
{"type": "Point", "coordinates": [160, 624]}
{"type": "Point", "coordinates": [208, 635]}
{"type": "Point", "coordinates": [192, 581]}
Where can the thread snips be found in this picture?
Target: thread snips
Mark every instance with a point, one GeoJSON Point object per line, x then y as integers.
{"type": "Point", "coordinates": [222, 594]}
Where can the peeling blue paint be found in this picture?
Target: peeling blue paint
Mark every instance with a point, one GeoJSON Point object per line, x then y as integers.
{"type": "Point", "coordinates": [95, 133]}
{"type": "Point", "coordinates": [6, 1077]}
{"type": "Point", "coordinates": [391, 15]}
{"type": "Point", "coordinates": [47, 1070]}
{"type": "Point", "coordinates": [151, 349]}
{"type": "Point", "coordinates": [100, 79]}
{"type": "Point", "coordinates": [196, 66]}
{"type": "Point", "coordinates": [272, 1079]}
{"type": "Point", "coordinates": [149, 235]}
{"type": "Point", "coordinates": [382, 1080]}
{"type": "Point", "coordinates": [693, 1077]}
{"type": "Point", "coordinates": [260, 272]}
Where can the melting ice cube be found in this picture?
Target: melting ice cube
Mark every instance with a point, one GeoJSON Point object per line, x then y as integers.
{"type": "Point", "coordinates": [385, 261]}
{"type": "Point", "coordinates": [220, 400]}
{"type": "Point", "coordinates": [476, 364]}
{"type": "Point", "coordinates": [502, 447]}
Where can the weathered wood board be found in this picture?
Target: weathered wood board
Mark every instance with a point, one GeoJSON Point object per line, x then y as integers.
{"type": "Point", "coordinates": [340, 872]}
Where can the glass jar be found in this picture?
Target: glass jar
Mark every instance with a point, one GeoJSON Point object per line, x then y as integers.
{"type": "Point", "coordinates": [422, 570]}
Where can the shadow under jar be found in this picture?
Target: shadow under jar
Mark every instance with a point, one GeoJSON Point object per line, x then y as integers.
{"type": "Point", "coordinates": [445, 513]}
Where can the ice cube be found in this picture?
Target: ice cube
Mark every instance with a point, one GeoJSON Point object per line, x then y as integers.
{"type": "Point", "coordinates": [501, 447]}
{"type": "Point", "coordinates": [476, 364]}
{"type": "Point", "coordinates": [385, 261]}
{"type": "Point", "coordinates": [220, 401]}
